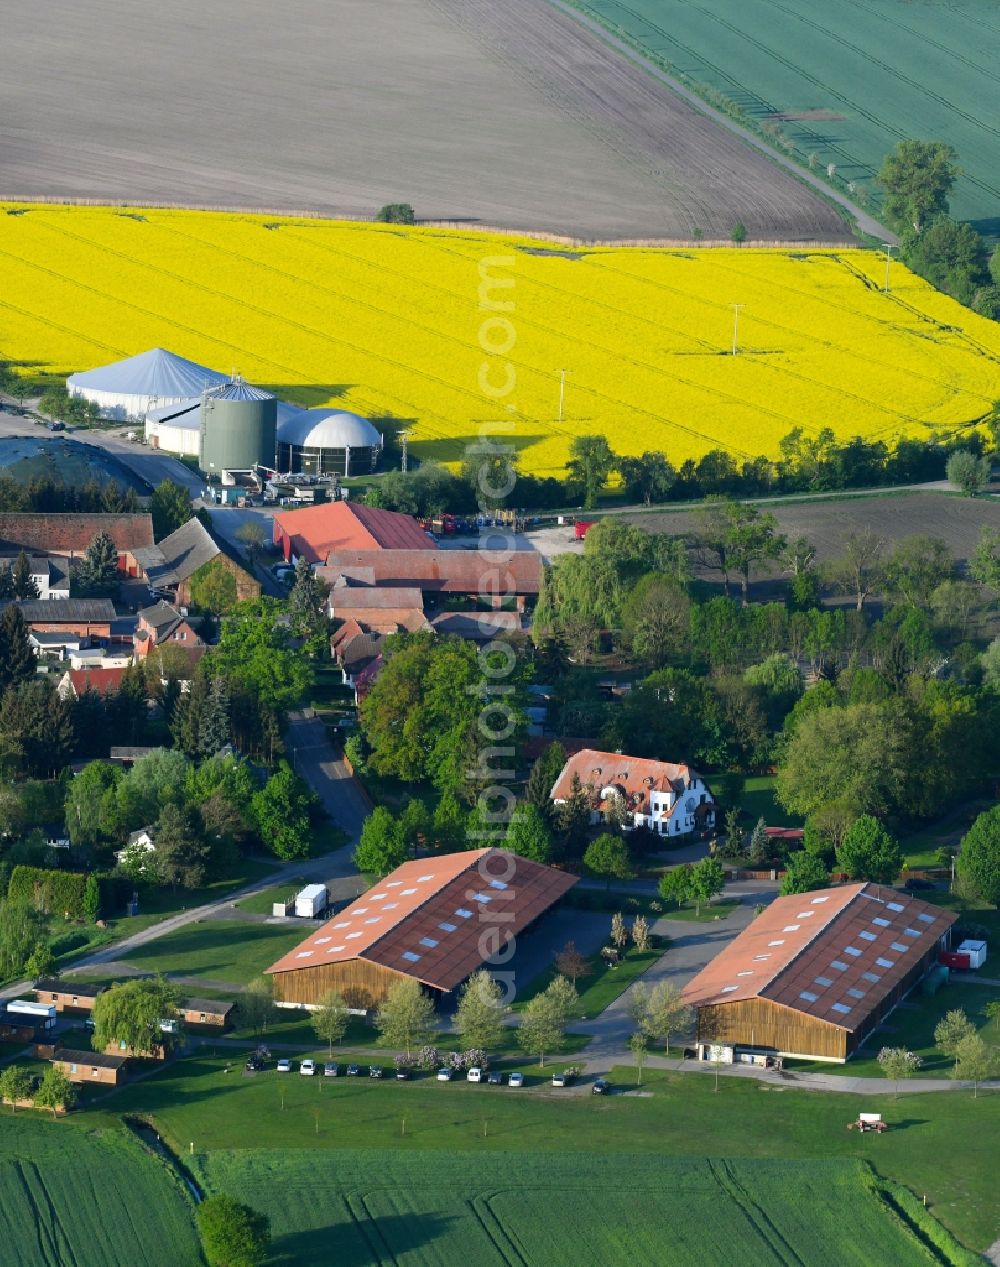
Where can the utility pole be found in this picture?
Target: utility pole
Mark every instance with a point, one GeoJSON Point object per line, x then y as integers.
{"type": "Point", "coordinates": [562, 390]}
{"type": "Point", "coordinates": [887, 246]}
{"type": "Point", "coordinates": [404, 437]}
{"type": "Point", "coordinates": [736, 326]}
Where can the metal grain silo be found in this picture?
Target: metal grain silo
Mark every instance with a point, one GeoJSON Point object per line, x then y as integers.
{"type": "Point", "coordinates": [238, 428]}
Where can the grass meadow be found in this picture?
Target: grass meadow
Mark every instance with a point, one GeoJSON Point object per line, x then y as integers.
{"type": "Point", "coordinates": [382, 320]}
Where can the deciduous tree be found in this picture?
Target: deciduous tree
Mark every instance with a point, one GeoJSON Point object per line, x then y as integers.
{"type": "Point", "coordinates": [591, 462]}
{"type": "Point", "coordinates": [917, 178]}
{"type": "Point", "coordinates": [170, 506]}
{"type": "Point", "coordinates": [381, 848]}
{"type": "Point", "coordinates": [330, 1019]}
{"type": "Point", "coordinates": [608, 856]}
{"type": "Point", "coordinates": [969, 472]}
{"type": "Point", "coordinates": [897, 1064]}
{"type": "Point", "coordinates": [974, 1061]}
{"type": "Point", "coordinates": [479, 1017]}
{"type": "Point", "coordinates": [406, 1017]}
{"type": "Point", "coordinates": [707, 879]}
{"type": "Point", "coordinates": [804, 871]}
{"type": "Point", "coordinates": [528, 834]}
{"type": "Point", "coordinates": [128, 1015]}
{"type": "Point", "coordinates": [56, 1091]}
{"type": "Point", "coordinates": [868, 852]}
{"type": "Point", "coordinates": [233, 1234]}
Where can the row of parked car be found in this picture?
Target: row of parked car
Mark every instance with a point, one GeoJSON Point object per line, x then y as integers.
{"type": "Point", "coordinates": [494, 1077]}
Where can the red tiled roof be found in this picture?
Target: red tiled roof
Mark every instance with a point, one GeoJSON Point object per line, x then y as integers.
{"type": "Point", "coordinates": [635, 777]}
{"type": "Point", "coordinates": [834, 954]}
{"type": "Point", "coordinates": [428, 917]}
{"type": "Point", "coordinates": [357, 598]}
{"type": "Point", "coordinates": [486, 572]}
{"type": "Point", "coordinates": [103, 681]}
{"type": "Point", "coordinates": [315, 531]}
{"type": "Point", "coordinates": [71, 534]}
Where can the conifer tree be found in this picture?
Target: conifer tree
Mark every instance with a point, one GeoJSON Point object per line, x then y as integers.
{"type": "Point", "coordinates": [25, 585]}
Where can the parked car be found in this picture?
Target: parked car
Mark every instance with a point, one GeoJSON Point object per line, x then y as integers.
{"type": "Point", "coordinates": [494, 1078]}
{"type": "Point", "coordinates": [284, 1065]}
{"type": "Point", "coordinates": [308, 1067]}
{"type": "Point", "coordinates": [600, 1087]}
{"type": "Point", "coordinates": [444, 1075]}
{"type": "Point", "coordinates": [915, 882]}
{"type": "Point", "coordinates": [562, 1079]}
{"type": "Point", "coordinates": [402, 1074]}
{"type": "Point", "coordinates": [353, 1071]}
{"type": "Point", "coordinates": [254, 1064]}
{"type": "Point", "coordinates": [516, 1080]}
{"type": "Point", "coordinates": [374, 1071]}
{"type": "Point", "coordinates": [474, 1075]}
{"type": "Point", "coordinates": [330, 1070]}
{"type": "Point", "coordinates": [57, 426]}
{"type": "Point", "coordinates": [89, 1024]}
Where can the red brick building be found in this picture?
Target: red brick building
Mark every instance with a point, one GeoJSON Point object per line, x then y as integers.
{"type": "Point", "coordinates": [315, 531]}
{"type": "Point", "coordinates": [68, 536]}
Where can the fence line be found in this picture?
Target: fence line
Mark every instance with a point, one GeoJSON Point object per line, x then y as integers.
{"type": "Point", "coordinates": [540, 235]}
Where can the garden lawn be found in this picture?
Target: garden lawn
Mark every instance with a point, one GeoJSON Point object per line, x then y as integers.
{"type": "Point", "coordinates": [912, 1026]}
{"type": "Point", "coordinates": [942, 1144]}
{"type": "Point", "coordinates": [71, 1197]}
{"type": "Point", "coordinates": [758, 800]}
{"type": "Point", "coordinates": [602, 985]}
{"type": "Point", "coordinates": [262, 902]}
{"type": "Point", "coordinates": [613, 1211]}
{"type": "Point", "coordinates": [217, 949]}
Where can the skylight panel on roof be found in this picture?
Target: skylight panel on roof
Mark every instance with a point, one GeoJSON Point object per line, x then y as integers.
{"type": "Point", "coordinates": [361, 910]}
{"type": "Point", "coordinates": [839, 965]}
{"type": "Point", "coordinates": [823, 981]}
{"type": "Point", "coordinates": [321, 941]}
{"type": "Point", "coordinates": [865, 935]}
{"type": "Point", "coordinates": [498, 884]}
{"type": "Point", "coordinates": [390, 906]}
{"type": "Point", "coordinates": [393, 884]}
{"type": "Point", "coordinates": [886, 963]}
{"type": "Point", "coordinates": [779, 942]}
{"type": "Point", "coordinates": [911, 932]}
{"type": "Point", "coordinates": [410, 957]}
{"type": "Point", "coordinates": [900, 946]}
{"type": "Point", "coordinates": [375, 897]}
{"type": "Point", "coordinates": [852, 950]}
{"type": "Point", "coordinates": [808, 996]}
{"type": "Point", "coordinates": [334, 949]}
{"type": "Point", "coordinates": [871, 976]}
{"type": "Point", "coordinates": [374, 919]}
{"type": "Point", "coordinates": [760, 958]}
{"type": "Point", "coordinates": [882, 923]}
{"type": "Point", "coordinates": [816, 900]}
{"type": "Point", "coordinates": [482, 897]}
{"type": "Point", "coordinates": [429, 942]}
{"type": "Point", "coordinates": [926, 917]}
{"type": "Point", "coordinates": [894, 906]}
{"type": "Point", "coordinates": [856, 994]}
{"type": "Point", "coordinates": [745, 973]}
{"type": "Point", "coordinates": [408, 893]}
{"type": "Point", "coordinates": [841, 1007]}
{"type": "Point", "coordinates": [805, 915]}
{"type": "Point", "coordinates": [728, 989]}
{"type": "Point", "coordinates": [447, 928]}
{"type": "Point", "coordinates": [344, 923]}
{"type": "Point", "coordinates": [422, 879]}
{"type": "Point", "coordinates": [304, 954]}
{"type": "Point", "coordinates": [351, 936]}
{"type": "Point", "coordinates": [791, 928]}
{"type": "Point", "coordinates": [464, 913]}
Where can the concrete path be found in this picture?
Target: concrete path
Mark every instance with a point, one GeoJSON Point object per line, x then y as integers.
{"type": "Point", "coordinates": [314, 759]}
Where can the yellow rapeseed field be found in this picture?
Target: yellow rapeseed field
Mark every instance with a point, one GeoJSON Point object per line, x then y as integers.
{"type": "Point", "coordinates": [386, 321]}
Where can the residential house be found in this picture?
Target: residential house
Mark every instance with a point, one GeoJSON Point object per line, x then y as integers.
{"type": "Point", "coordinates": [51, 580]}
{"type": "Point", "coordinates": [77, 996]}
{"type": "Point", "coordinates": [76, 682]}
{"type": "Point", "coordinates": [209, 1012]}
{"type": "Point", "coordinates": [171, 565]}
{"type": "Point", "coordinates": [139, 846]}
{"type": "Point", "coordinates": [109, 1069]}
{"type": "Point", "coordinates": [68, 535]}
{"type": "Point", "coordinates": [315, 532]}
{"type": "Point", "coordinates": [89, 618]}
{"type": "Point", "coordinates": [668, 798]}
{"type": "Point", "coordinates": [161, 624]}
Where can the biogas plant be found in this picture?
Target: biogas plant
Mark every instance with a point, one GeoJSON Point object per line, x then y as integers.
{"type": "Point", "coordinates": [229, 426]}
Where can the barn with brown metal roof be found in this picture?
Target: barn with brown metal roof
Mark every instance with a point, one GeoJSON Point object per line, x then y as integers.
{"type": "Point", "coordinates": [434, 919]}
{"type": "Point", "coordinates": [815, 973]}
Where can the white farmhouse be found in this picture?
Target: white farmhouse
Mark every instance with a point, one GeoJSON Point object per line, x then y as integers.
{"type": "Point", "coordinates": [670, 799]}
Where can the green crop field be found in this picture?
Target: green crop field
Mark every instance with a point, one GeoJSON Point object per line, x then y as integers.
{"type": "Point", "coordinates": [845, 81]}
{"type": "Point", "coordinates": [570, 1210]}
{"type": "Point", "coordinates": [76, 1198]}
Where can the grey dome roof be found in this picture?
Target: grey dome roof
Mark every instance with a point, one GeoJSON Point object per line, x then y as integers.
{"type": "Point", "coordinates": [237, 389]}
{"type": "Point", "coordinates": [320, 429]}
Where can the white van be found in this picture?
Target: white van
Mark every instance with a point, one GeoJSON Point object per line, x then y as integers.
{"type": "Point", "coordinates": [474, 1075]}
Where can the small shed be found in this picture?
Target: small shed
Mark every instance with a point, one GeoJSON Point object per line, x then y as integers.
{"type": "Point", "coordinates": [213, 1012]}
{"type": "Point", "coordinates": [91, 1066]}
{"type": "Point", "coordinates": [75, 996]}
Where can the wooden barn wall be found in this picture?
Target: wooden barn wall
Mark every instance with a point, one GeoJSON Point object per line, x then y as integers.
{"type": "Point", "coordinates": [361, 983]}
{"type": "Point", "coordinates": [761, 1023]}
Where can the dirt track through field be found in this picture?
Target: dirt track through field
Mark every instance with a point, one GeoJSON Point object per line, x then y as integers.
{"type": "Point", "coordinates": [507, 113]}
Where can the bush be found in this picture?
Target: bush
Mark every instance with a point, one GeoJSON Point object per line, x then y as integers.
{"type": "Point", "coordinates": [53, 892]}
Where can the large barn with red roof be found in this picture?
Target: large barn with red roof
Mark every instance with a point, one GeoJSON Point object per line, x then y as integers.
{"type": "Point", "coordinates": [315, 532]}
{"type": "Point", "coordinates": [436, 920]}
{"type": "Point", "coordinates": [814, 973]}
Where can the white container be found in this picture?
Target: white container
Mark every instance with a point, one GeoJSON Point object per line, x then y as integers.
{"type": "Point", "coordinates": [43, 1014]}
{"type": "Point", "coordinates": [976, 950]}
{"type": "Point", "coordinates": [311, 901]}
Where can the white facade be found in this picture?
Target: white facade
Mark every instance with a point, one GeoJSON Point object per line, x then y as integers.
{"type": "Point", "coordinates": [174, 436]}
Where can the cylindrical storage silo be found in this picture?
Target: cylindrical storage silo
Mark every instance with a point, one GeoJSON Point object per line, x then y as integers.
{"type": "Point", "coordinates": [238, 428]}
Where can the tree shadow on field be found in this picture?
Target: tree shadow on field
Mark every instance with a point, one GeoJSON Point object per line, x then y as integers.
{"type": "Point", "coordinates": [309, 395]}
{"type": "Point", "coordinates": [359, 1243]}
{"type": "Point", "coordinates": [453, 450]}
{"type": "Point", "coordinates": [907, 1122]}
